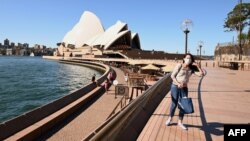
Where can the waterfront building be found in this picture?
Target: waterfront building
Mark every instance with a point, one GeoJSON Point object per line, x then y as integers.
{"type": "Point", "coordinates": [16, 51]}
{"type": "Point", "coordinates": [36, 46]}
{"type": "Point", "coordinates": [12, 44]}
{"type": "Point", "coordinates": [6, 42]}
{"type": "Point", "coordinates": [9, 51]}
{"type": "Point", "coordinates": [23, 52]}
{"type": "Point", "coordinates": [230, 52]}
{"type": "Point", "coordinates": [88, 39]}
{"type": "Point", "coordinates": [26, 45]}
{"type": "Point", "coordinates": [19, 44]}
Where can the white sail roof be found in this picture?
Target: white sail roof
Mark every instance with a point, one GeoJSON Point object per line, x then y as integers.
{"type": "Point", "coordinates": [135, 38]}
{"type": "Point", "coordinates": [88, 26]}
{"type": "Point", "coordinates": [109, 34]}
{"type": "Point", "coordinates": [116, 37]}
{"type": "Point", "coordinates": [89, 31]}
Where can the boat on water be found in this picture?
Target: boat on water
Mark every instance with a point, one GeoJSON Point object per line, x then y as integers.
{"type": "Point", "coordinates": [32, 54]}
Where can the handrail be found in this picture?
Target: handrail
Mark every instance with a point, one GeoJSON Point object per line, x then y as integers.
{"type": "Point", "coordinates": [119, 103]}
{"type": "Point", "coordinates": [128, 124]}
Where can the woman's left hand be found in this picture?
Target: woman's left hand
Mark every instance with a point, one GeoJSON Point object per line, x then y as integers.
{"type": "Point", "coordinates": [195, 64]}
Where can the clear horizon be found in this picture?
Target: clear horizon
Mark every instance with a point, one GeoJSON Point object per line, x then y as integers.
{"type": "Point", "coordinates": [157, 22]}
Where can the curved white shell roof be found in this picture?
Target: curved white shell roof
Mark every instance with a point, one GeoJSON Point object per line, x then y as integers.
{"type": "Point", "coordinates": [110, 34]}
{"type": "Point", "coordinates": [135, 38]}
{"type": "Point", "coordinates": [116, 37]}
{"type": "Point", "coordinates": [88, 26]}
{"type": "Point", "coordinates": [89, 31]}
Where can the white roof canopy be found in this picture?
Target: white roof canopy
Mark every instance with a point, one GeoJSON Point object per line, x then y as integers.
{"type": "Point", "coordinates": [89, 31]}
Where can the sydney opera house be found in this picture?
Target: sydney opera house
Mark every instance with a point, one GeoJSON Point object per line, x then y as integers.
{"type": "Point", "coordinates": [89, 39]}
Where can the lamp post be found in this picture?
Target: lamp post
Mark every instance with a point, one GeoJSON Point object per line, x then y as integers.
{"type": "Point", "coordinates": [63, 45]}
{"type": "Point", "coordinates": [197, 51]}
{"type": "Point", "coordinates": [186, 27]}
{"type": "Point", "coordinates": [200, 44]}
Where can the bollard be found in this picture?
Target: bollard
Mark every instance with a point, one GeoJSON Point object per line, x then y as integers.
{"type": "Point", "coordinates": [206, 64]}
{"type": "Point", "coordinates": [214, 64]}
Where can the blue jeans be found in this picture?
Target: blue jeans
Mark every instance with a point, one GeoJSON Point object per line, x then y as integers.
{"type": "Point", "coordinates": [175, 93]}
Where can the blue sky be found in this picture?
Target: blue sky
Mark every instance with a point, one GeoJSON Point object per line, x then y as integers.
{"type": "Point", "coordinates": [158, 22]}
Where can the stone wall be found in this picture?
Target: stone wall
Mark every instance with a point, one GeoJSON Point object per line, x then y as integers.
{"type": "Point", "coordinates": [231, 53]}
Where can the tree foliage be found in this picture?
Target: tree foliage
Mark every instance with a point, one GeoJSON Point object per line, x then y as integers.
{"type": "Point", "coordinates": [238, 18]}
{"type": "Point", "coordinates": [243, 38]}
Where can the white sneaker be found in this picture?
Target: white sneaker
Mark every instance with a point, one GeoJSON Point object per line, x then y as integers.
{"type": "Point", "coordinates": [168, 122]}
{"type": "Point", "coordinates": [182, 126]}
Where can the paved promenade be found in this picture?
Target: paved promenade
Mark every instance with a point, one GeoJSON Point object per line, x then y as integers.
{"type": "Point", "coordinates": [80, 125]}
{"type": "Point", "coordinates": [222, 96]}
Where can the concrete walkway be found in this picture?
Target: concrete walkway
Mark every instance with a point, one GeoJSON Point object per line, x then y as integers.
{"type": "Point", "coordinates": [80, 125]}
{"type": "Point", "coordinates": [223, 97]}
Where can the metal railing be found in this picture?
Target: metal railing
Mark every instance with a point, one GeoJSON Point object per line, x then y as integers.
{"type": "Point", "coordinates": [122, 103]}
{"type": "Point", "coordinates": [128, 123]}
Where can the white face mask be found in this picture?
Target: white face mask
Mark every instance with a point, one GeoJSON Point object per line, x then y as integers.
{"type": "Point", "coordinates": [187, 61]}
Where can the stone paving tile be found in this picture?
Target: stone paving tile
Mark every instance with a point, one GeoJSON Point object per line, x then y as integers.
{"type": "Point", "coordinates": [223, 97]}
{"type": "Point", "coordinates": [89, 119]}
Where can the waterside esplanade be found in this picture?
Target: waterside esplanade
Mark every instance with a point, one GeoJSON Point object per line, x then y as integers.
{"type": "Point", "coordinates": [94, 115]}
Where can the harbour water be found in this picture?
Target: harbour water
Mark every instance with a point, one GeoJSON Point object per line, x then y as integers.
{"type": "Point", "coordinates": [29, 82]}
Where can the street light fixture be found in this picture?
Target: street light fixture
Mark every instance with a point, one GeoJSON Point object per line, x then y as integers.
{"type": "Point", "coordinates": [197, 51]}
{"type": "Point", "coordinates": [200, 44]}
{"type": "Point", "coordinates": [63, 45]}
{"type": "Point", "coordinates": [186, 27]}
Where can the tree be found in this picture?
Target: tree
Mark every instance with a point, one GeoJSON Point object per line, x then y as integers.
{"type": "Point", "coordinates": [243, 38]}
{"type": "Point", "coordinates": [248, 36]}
{"type": "Point", "coordinates": [237, 20]}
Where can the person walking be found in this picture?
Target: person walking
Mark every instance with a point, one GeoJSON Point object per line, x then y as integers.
{"type": "Point", "coordinates": [106, 85]}
{"type": "Point", "coordinates": [112, 76]}
{"type": "Point", "coordinates": [93, 79]}
{"type": "Point", "coordinates": [180, 77]}
{"type": "Point", "coordinates": [126, 78]}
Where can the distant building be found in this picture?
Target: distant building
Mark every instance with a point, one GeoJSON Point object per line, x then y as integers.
{"type": "Point", "coordinates": [88, 39]}
{"type": "Point", "coordinates": [6, 42]}
{"type": "Point", "coordinates": [0, 45]}
{"type": "Point", "coordinates": [23, 52]}
{"type": "Point", "coordinates": [19, 44]}
{"type": "Point", "coordinates": [43, 47]}
{"type": "Point", "coordinates": [17, 51]}
{"type": "Point", "coordinates": [12, 44]}
{"type": "Point", "coordinates": [9, 51]}
{"type": "Point", "coordinates": [26, 45]}
{"type": "Point", "coordinates": [230, 52]}
{"type": "Point", "coordinates": [36, 46]}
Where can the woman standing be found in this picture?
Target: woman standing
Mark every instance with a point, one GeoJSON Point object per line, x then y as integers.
{"type": "Point", "coordinates": [180, 76]}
